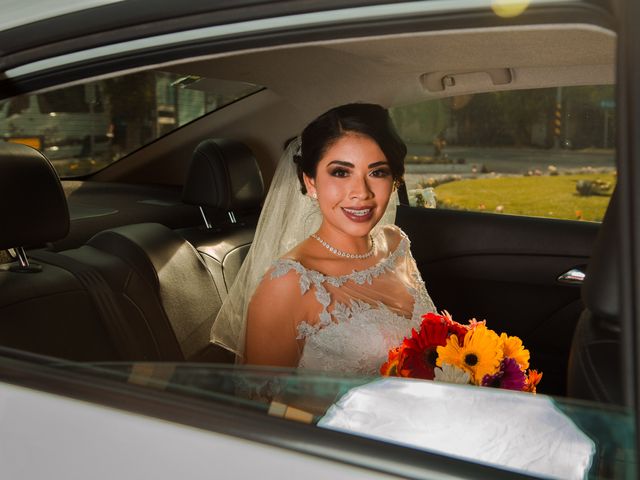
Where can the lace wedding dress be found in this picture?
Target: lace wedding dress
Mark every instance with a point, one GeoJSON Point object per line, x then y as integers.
{"type": "Point", "coordinates": [346, 323]}
{"type": "Point", "coordinates": [353, 320]}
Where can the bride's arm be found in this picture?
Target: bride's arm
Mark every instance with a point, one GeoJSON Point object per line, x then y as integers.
{"type": "Point", "coordinates": [271, 319]}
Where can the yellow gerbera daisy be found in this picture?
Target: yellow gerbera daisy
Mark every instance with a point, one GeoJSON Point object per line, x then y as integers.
{"type": "Point", "coordinates": [480, 353]}
{"type": "Point", "coordinates": [512, 347]}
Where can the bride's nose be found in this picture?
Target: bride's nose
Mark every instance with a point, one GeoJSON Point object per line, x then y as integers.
{"type": "Point", "coordinates": [360, 188]}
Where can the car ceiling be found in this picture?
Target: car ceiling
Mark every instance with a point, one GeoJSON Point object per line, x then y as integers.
{"type": "Point", "coordinates": [305, 78]}
{"type": "Point", "coordinates": [135, 33]}
{"type": "Point", "coordinates": [318, 76]}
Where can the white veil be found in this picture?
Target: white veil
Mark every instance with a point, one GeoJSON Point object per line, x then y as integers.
{"type": "Point", "coordinates": [287, 218]}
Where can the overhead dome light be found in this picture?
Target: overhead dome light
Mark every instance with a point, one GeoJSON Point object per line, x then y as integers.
{"type": "Point", "coordinates": [465, 80]}
{"type": "Point", "coordinates": [509, 8]}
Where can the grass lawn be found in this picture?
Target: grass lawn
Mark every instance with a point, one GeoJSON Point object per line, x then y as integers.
{"type": "Point", "coordinates": [543, 196]}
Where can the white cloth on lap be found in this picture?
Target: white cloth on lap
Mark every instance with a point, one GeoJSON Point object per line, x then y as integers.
{"type": "Point", "coordinates": [517, 431]}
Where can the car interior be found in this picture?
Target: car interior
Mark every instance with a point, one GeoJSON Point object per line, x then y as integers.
{"type": "Point", "coordinates": [132, 262]}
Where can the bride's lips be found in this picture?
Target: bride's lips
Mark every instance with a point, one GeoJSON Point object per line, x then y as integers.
{"type": "Point", "coordinates": [359, 215]}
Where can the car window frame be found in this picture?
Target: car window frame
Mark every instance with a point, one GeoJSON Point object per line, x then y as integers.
{"type": "Point", "coordinates": [628, 159]}
{"type": "Point", "coordinates": [50, 376]}
{"type": "Point", "coordinates": [32, 375]}
{"type": "Point", "coordinates": [171, 49]}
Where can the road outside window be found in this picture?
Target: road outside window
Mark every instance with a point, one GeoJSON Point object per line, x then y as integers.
{"type": "Point", "coordinates": [544, 153]}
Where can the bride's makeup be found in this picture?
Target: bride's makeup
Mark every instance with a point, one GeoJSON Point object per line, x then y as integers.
{"type": "Point", "coordinates": [361, 215]}
{"type": "Point", "coordinates": [353, 183]}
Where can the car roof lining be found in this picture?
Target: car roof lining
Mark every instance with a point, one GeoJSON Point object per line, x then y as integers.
{"type": "Point", "coordinates": [537, 56]}
{"type": "Point", "coordinates": [544, 55]}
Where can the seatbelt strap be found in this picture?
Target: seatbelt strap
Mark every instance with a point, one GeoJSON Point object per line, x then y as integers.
{"type": "Point", "coordinates": [103, 298]}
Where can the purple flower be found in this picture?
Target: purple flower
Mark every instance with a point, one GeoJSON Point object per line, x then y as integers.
{"type": "Point", "coordinates": [510, 376]}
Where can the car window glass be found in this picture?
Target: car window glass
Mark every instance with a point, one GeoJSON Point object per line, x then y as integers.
{"type": "Point", "coordinates": [71, 100]}
{"type": "Point", "coordinates": [589, 439]}
{"type": "Point", "coordinates": [17, 105]}
{"type": "Point", "coordinates": [83, 128]}
{"type": "Point", "coordinates": [545, 152]}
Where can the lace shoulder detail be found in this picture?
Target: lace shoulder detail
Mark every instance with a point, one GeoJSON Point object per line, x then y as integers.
{"type": "Point", "coordinates": [282, 266]}
{"type": "Point", "coordinates": [341, 313]}
{"type": "Point", "coordinates": [308, 276]}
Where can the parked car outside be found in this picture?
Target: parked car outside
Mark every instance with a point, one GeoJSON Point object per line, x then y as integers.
{"type": "Point", "coordinates": [65, 127]}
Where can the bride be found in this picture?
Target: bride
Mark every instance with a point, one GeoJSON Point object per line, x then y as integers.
{"type": "Point", "coordinates": [329, 283]}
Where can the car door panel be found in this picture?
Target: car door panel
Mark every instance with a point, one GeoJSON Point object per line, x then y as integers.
{"type": "Point", "coordinates": [505, 269]}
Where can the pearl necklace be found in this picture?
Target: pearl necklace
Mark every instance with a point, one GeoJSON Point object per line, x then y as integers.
{"type": "Point", "coordinates": [340, 253]}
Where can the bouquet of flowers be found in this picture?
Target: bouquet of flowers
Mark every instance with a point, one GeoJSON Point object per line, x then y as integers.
{"type": "Point", "coordinates": [447, 351]}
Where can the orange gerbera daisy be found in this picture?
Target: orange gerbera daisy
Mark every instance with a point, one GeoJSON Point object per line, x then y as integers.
{"type": "Point", "coordinates": [512, 347]}
{"type": "Point", "coordinates": [479, 354]}
{"type": "Point", "coordinates": [533, 379]}
{"type": "Point", "coordinates": [391, 368]}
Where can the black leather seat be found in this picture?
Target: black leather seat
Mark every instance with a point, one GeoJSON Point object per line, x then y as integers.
{"type": "Point", "coordinates": [175, 291]}
{"type": "Point", "coordinates": [167, 284]}
{"type": "Point", "coordinates": [137, 292]}
{"type": "Point", "coordinates": [595, 362]}
{"type": "Point", "coordinates": [44, 308]}
{"type": "Point", "coordinates": [224, 177]}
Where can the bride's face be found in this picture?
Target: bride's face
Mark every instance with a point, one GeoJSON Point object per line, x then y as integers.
{"type": "Point", "coordinates": [353, 184]}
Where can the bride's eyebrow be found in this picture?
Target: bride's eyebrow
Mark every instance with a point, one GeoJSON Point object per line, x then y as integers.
{"type": "Point", "coordinates": [341, 163]}
{"type": "Point", "coordinates": [378, 164]}
{"type": "Point", "coordinates": [351, 165]}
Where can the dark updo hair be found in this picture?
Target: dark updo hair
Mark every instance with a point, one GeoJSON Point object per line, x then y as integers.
{"type": "Point", "coordinates": [366, 119]}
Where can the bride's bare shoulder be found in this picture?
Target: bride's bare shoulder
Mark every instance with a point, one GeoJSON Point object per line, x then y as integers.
{"type": "Point", "coordinates": [274, 311]}
{"type": "Point", "coordinates": [276, 301]}
{"type": "Point", "coordinates": [392, 235]}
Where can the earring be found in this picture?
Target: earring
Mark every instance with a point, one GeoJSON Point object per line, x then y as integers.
{"type": "Point", "coordinates": [314, 195]}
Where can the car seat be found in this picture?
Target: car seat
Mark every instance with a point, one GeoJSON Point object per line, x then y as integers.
{"type": "Point", "coordinates": [46, 308]}
{"type": "Point", "coordinates": [595, 369]}
{"type": "Point", "coordinates": [224, 177]}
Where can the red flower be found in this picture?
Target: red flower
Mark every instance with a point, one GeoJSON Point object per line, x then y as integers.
{"type": "Point", "coordinates": [419, 353]}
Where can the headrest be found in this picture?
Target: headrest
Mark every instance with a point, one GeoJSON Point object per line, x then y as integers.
{"type": "Point", "coordinates": [600, 291]}
{"type": "Point", "coordinates": [33, 207]}
{"type": "Point", "coordinates": [223, 174]}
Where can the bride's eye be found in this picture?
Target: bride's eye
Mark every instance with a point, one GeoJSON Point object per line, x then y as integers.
{"type": "Point", "coordinates": [381, 172]}
{"type": "Point", "coordinates": [339, 172]}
